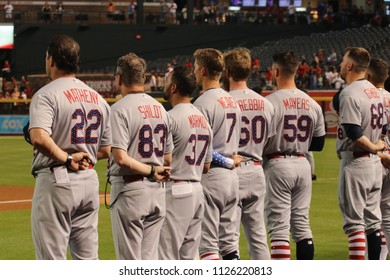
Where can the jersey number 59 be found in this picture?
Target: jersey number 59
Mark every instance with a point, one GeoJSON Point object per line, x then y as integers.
{"type": "Point", "coordinates": [297, 128]}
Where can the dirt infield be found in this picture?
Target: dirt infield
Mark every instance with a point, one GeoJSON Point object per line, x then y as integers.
{"type": "Point", "coordinates": [15, 198]}
{"type": "Point", "coordinates": [19, 198]}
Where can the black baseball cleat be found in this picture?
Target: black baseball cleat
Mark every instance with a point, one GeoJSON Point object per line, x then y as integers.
{"type": "Point", "coordinates": [313, 177]}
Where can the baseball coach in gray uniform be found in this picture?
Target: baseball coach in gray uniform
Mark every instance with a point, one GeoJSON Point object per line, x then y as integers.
{"type": "Point", "coordinates": [70, 131]}
{"type": "Point", "coordinates": [140, 147]}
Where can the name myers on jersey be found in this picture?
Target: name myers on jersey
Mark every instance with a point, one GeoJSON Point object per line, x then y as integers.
{"type": "Point", "coordinates": [227, 102]}
{"type": "Point", "coordinates": [150, 111]}
{"type": "Point", "coordinates": [197, 121]}
{"type": "Point", "coordinates": [251, 104]}
{"type": "Point", "coordinates": [81, 95]}
{"type": "Point", "coordinates": [296, 103]}
{"type": "Point", "coordinates": [372, 93]}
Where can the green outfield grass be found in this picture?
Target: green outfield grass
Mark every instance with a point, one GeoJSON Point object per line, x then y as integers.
{"type": "Point", "coordinates": [15, 230]}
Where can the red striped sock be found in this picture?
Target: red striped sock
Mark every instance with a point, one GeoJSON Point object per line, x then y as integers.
{"type": "Point", "coordinates": [357, 245]}
{"type": "Point", "coordinates": [209, 256]}
{"type": "Point", "coordinates": [384, 250]}
{"type": "Point", "coordinates": [280, 250]}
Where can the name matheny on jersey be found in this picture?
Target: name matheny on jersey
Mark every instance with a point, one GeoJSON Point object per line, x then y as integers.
{"type": "Point", "coordinates": [81, 95]}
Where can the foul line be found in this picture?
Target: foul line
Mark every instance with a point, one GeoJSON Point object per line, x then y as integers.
{"type": "Point", "coordinates": [30, 200]}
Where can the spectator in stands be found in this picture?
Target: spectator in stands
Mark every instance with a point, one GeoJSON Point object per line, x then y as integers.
{"type": "Point", "coordinates": [189, 64]}
{"type": "Point", "coordinates": [338, 82]}
{"type": "Point", "coordinates": [221, 13]}
{"type": "Point", "coordinates": [131, 11]}
{"type": "Point", "coordinates": [315, 60]}
{"type": "Point", "coordinates": [291, 12]}
{"type": "Point", "coordinates": [313, 79]}
{"type": "Point", "coordinates": [268, 78]}
{"type": "Point", "coordinates": [255, 63]}
{"type": "Point", "coordinates": [153, 81]}
{"type": "Point", "coordinates": [206, 13]}
{"type": "Point", "coordinates": [160, 81]}
{"type": "Point", "coordinates": [184, 15]}
{"type": "Point", "coordinates": [163, 11]}
{"type": "Point", "coordinates": [332, 58]}
{"type": "Point", "coordinates": [328, 77]}
{"type": "Point", "coordinates": [59, 11]}
{"type": "Point", "coordinates": [8, 9]}
{"type": "Point", "coordinates": [110, 9]}
{"type": "Point", "coordinates": [321, 56]}
{"type": "Point", "coordinates": [46, 10]}
{"type": "Point", "coordinates": [6, 70]}
{"type": "Point", "coordinates": [172, 12]}
{"type": "Point", "coordinates": [308, 13]}
{"type": "Point", "coordinates": [168, 69]}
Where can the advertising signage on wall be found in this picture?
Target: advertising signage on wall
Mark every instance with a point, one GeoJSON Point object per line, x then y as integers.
{"type": "Point", "coordinates": [12, 124]}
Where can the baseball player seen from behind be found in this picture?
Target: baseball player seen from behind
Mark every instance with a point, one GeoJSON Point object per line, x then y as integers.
{"type": "Point", "coordinates": [140, 148]}
{"type": "Point", "coordinates": [70, 131]}
{"type": "Point", "coordinates": [358, 141]}
{"type": "Point", "coordinates": [299, 125]}
{"type": "Point", "coordinates": [220, 184]}
{"type": "Point", "coordinates": [256, 128]}
{"type": "Point", "coordinates": [192, 155]}
{"type": "Point", "coordinates": [377, 73]}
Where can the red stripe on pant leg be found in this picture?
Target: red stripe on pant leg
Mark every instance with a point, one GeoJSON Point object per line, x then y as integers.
{"type": "Point", "coordinates": [356, 233]}
{"type": "Point", "coordinates": [280, 256]}
{"type": "Point", "coordinates": [280, 247]}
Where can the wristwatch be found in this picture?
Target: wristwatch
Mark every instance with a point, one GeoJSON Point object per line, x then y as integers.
{"type": "Point", "coordinates": [68, 161]}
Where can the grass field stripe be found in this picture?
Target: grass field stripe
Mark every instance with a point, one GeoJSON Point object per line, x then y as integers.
{"type": "Point", "coordinates": [30, 200]}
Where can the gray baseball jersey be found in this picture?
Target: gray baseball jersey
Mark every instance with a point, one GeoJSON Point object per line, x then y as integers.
{"type": "Point", "coordinates": [360, 104]}
{"type": "Point", "coordinates": [297, 119]}
{"type": "Point", "coordinates": [220, 185]}
{"type": "Point", "coordinates": [77, 119]}
{"type": "Point", "coordinates": [75, 116]}
{"type": "Point", "coordinates": [140, 127]}
{"type": "Point", "coordinates": [256, 128]}
{"type": "Point", "coordinates": [192, 137]}
{"type": "Point", "coordinates": [363, 106]}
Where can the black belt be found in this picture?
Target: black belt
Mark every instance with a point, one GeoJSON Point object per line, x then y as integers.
{"type": "Point", "coordinates": [282, 155]}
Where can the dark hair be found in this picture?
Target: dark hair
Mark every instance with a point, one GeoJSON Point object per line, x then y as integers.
{"type": "Point", "coordinates": [238, 63]}
{"type": "Point", "coordinates": [184, 79]}
{"type": "Point", "coordinates": [65, 52]}
{"type": "Point", "coordinates": [360, 57]}
{"type": "Point", "coordinates": [379, 71]}
{"type": "Point", "coordinates": [132, 69]}
{"type": "Point", "coordinates": [288, 62]}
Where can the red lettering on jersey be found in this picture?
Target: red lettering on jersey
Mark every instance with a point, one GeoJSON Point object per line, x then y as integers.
{"type": "Point", "coordinates": [251, 104]}
{"type": "Point", "coordinates": [296, 103]}
{"type": "Point", "coordinates": [197, 121]}
{"type": "Point", "coordinates": [81, 95]}
{"type": "Point", "coordinates": [150, 111]}
{"type": "Point", "coordinates": [227, 102]}
{"type": "Point", "coordinates": [372, 93]}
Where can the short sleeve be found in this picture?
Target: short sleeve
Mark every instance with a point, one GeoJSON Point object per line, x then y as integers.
{"type": "Point", "coordinates": [42, 111]}
{"type": "Point", "coordinates": [119, 128]}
